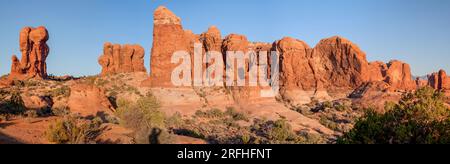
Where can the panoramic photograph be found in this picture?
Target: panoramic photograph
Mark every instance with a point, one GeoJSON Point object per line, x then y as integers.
{"type": "Point", "coordinates": [253, 72]}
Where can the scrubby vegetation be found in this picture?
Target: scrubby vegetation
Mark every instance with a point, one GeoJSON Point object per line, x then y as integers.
{"type": "Point", "coordinates": [12, 104]}
{"type": "Point", "coordinates": [338, 115]}
{"type": "Point", "coordinates": [63, 91]}
{"type": "Point", "coordinates": [419, 118]}
{"type": "Point", "coordinates": [145, 118]}
{"type": "Point", "coordinates": [71, 130]}
{"type": "Point", "coordinates": [233, 127]}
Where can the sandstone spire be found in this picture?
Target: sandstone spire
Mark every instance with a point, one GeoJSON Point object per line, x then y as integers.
{"type": "Point", "coordinates": [168, 37]}
{"type": "Point", "coordinates": [34, 51]}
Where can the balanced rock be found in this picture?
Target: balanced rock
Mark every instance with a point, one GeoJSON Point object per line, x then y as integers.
{"type": "Point", "coordinates": [34, 51]}
{"type": "Point", "coordinates": [122, 59]}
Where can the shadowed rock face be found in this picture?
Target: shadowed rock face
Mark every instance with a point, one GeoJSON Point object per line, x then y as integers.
{"type": "Point", "coordinates": [122, 59]}
{"type": "Point", "coordinates": [34, 53]}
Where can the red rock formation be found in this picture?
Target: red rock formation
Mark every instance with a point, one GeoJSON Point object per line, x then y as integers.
{"type": "Point", "coordinates": [122, 59]}
{"type": "Point", "coordinates": [295, 64]}
{"type": "Point", "coordinates": [398, 76]}
{"type": "Point", "coordinates": [168, 38]}
{"type": "Point", "coordinates": [334, 65]}
{"type": "Point", "coordinates": [439, 80]}
{"type": "Point", "coordinates": [340, 63]}
{"type": "Point", "coordinates": [34, 53]}
{"type": "Point", "coordinates": [212, 39]}
{"type": "Point", "coordinates": [421, 83]}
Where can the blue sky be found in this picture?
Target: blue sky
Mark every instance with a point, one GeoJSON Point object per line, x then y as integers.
{"type": "Point", "coordinates": [415, 31]}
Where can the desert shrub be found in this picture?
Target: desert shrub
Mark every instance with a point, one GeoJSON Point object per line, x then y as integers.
{"type": "Point", "coordinates": [275, 131]}
{"type": "Point", "coordinates": [175, 120]}
{"type": "Point", "coordinates": [304, 110]}
{"type": "Point", "coordinates": [72, 131]}
{"type": "Point", "coordinates": [418, 118]}
{"type": "Point", "coordinates": [14, 105]}
{"type": "Point", "coordinates": [102, 82]}
{"type": "Point", "coordinates": [280, 132]}
{"type": "Point", "coordinates": [329, 123]}
{"type": "Point", "coordinates": [111, 119]}
{"type": "Point", "coordinates": [246, 139]}
{"type": "Point", "coordinates": [213, 113]}
{"type": "Point", "coordinates": [63, 91]}
{"type": "Point", "coordinates": [194, 133]}
{"type": "Point", "coordinates": [327, 104]}
{"type": "Point", "coordinates": [143, 117]}
{"type": "Point", "coordinates": [131, 89]}
{"type": "Point", "coordinates": [237, 116]}
{"type": "Point", "coordinates": [310, 138]}
{"type": "Point", "coordinates": [61, 111]}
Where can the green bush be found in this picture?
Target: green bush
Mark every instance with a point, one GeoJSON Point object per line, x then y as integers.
{"type": "Point", "coordinates": [175, 121]}
{"type": "Point", "coordinates": [213, 113]}
{"type": "Point", "coordinates": [144, 117]}
{"type": "Point", "coordinates": [71, 131]}
{"type": "Point", "coordinates": [418, 118]}
{"type": "Point", "coordinates": [61, 111]}
{"type": "Point", "coordinates": [14, 105]}
{"type": "Point", "coordinates": [237, 116]}
{"type": "Point", "coordinates": [63, 91]}
{"type": "Point", "coordinates": [275, 131]}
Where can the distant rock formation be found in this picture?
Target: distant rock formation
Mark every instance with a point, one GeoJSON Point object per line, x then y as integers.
{"type": "Point", "coordinates": [122, 59]}
{"type": "Point", "coordinates": [34, 54]}
{"type": "Point", "coordinates": [334, 65]}
{"type": "Point", "coordinates": [439, 80]}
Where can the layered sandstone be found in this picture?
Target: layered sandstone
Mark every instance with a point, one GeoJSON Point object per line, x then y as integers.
{"type": "Point", "coordinates": [122, 59]}
{"type": "Point", "coordinates": [334, 65]}
{"type": "Point", "coordinates": [34, 49]}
